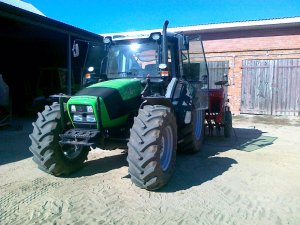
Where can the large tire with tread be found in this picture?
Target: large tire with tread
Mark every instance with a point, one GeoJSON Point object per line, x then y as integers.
{"type": "Point", "coordinates": [48, 154]}
{"type": "Point", "coordinates": [191, 135]}
{"type": "Point", "coordinates": [152, 147]}
{"type": "Point", "coordinates": [227, 124]}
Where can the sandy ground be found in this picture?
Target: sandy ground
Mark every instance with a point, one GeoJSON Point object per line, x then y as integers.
{"type": "Point", "coordinates": [252, 178]}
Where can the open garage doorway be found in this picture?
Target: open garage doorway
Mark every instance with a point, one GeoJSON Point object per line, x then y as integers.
{"type": "Point", "coordinates": [34, 46]}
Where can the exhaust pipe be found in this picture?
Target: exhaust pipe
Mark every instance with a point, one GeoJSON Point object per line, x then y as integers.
{"type": "Point", "coordinates": [165, 44]}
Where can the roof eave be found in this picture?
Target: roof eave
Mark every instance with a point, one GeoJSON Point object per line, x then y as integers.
{"type": "Point", "coordinates": [221, 27]}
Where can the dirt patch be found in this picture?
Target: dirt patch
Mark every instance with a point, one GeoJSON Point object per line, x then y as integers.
{"type": "Point", "coordinates": [226, 183]}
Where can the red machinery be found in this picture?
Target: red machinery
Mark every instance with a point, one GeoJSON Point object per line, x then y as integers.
{"type": "Point", "coordinates": [218, 116]}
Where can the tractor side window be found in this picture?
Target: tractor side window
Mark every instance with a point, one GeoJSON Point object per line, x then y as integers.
{"type": "Point", "coordinates": [94, 64]}
{"type": "Point", "coordinates": [113, 62]}
{"type": "Point", "coordinates": [194, 69]}
{"type": "Point", "coordinates": [172, 59]}
{"type": "Point", "coordinates": [194, 63]}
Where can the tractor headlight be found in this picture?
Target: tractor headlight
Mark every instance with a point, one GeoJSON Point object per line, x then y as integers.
{"type": "Point", "coordinates": [73, 108]}
{"type": "Point", "coordinates": [90, 118]}
{"type": "Point", "coordinates": [89, 109]}
{"type": "Point", "coordinates": [77, 118]}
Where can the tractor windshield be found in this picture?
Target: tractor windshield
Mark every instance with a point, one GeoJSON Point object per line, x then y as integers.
{"type": "Point", "coordinates": [132, 60]}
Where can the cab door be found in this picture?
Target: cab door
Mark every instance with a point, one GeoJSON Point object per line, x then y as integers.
{"type": "Point", "coordinates": [95, 64]}
{"type": "Point", "coordinates": [195, 72]}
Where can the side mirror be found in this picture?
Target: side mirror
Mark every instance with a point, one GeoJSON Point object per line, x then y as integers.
{"type": "Point", "coordinates": [75, 50]}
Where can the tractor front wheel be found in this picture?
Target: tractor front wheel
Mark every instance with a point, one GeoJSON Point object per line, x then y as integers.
{"type": "Point", "coordinates": [152, 147]}
{"type": "Point", "coordinates": [48, 154]}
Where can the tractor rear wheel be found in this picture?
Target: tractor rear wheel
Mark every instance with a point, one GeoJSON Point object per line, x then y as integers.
{"type": "Point", "coordinates": [227, 124]}
{"type": "Point", "coordinates": [191, 135]}
{"type": "Point", "coordinates": [152, 147]}
{"type": "Point", "coordinates": [48, 154]}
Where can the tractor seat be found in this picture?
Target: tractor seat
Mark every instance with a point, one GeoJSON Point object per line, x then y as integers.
{"type": "Point", "coordinates": [221, 82]}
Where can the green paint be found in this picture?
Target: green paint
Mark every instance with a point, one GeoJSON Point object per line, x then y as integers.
{"type": "Point", "coordinates": [83, 100]}
{"type": "Point", "coordinates": [128, 88]}
{"type": "Point", "coordinates": [106, 122]}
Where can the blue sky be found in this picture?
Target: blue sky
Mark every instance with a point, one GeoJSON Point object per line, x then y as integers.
{"type": "Point", "coordinates": [107, 16]}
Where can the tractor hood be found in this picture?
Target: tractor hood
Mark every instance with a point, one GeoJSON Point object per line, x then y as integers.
{"type": "Point", "coordinates": [127, 88]}
{"type": "Point", "coordinates": [117, 99]}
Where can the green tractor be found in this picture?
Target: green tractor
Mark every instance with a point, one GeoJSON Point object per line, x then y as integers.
{"type": "Point", "coordinates": [150, 90]}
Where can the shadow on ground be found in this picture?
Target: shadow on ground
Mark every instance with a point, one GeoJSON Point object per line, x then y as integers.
{"type": "Point", "coordinates": [14, 141]}
{"type": "Point", "coordinates": [101, 165]}
{"type": "Point", "coordinates": [244, 139]}
{"type": "Point", "coordinates": [191, 169]}
{"type": "Point", "coordinates": [195, 169]}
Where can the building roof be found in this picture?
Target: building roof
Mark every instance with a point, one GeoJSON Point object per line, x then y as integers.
{"type": "Point", "coordinates": [231, 26]}
{"type": "Point", "coordinates": [17, 12]}
{"type": "Point", "coordinates": [23, 5]}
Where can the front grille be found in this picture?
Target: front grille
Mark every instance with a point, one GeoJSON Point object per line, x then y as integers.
{"type": "Point", "coordinates": [81, 108]}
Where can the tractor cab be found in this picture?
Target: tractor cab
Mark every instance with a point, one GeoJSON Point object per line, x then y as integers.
{"type": "Point", "coordinates": [125, 58]}
{"type": "Point", "coordinates": [155, 59]}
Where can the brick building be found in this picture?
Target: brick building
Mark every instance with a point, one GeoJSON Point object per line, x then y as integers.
{"type": "Point", "coordinates": [261, 59]}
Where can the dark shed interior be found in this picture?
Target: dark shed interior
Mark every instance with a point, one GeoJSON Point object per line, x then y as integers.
{"type": "Point", "coordinates": [34, 47]}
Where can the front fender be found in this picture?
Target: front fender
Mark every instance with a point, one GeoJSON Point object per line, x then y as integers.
{"type": "Point", "coordinates": [157, 101]}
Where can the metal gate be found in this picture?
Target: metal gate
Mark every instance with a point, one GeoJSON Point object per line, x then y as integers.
{"type": "Point", "coordinates": [271, 87]}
